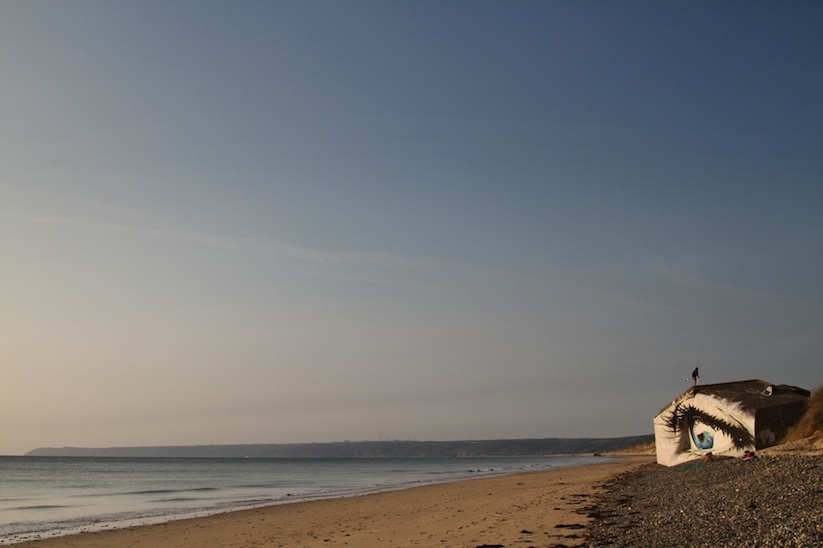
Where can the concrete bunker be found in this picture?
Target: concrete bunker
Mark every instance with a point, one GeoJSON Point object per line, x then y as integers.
{"type": "Point", "coordinates": [726, 419]}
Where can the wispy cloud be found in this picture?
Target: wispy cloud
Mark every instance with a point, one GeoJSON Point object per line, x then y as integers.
{"type": "Point", "coordinates": [105, 217]}
{"type": "Point", "coordinates": [35, 207]}
{"type": "Point", "coordinates": [107, 226]}
{"type": "Point", "coordinates": [693, 275]}
{"type": "Point", "coordinates": [333, 256]}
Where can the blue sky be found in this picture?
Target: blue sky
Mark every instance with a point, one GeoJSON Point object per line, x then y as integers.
{"type": "Point", "coordinates": [252, 222]}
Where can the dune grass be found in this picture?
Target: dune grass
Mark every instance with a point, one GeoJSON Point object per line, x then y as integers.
{"type": "Point", "coordinates": [812, 421]}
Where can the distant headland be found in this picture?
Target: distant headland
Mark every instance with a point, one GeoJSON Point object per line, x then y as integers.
{"type": "Point", "coordinates": [362, 449]}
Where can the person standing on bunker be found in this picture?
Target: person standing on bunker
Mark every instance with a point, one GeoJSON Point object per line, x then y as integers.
{"type": "Point", "coordinates": [696, 375]}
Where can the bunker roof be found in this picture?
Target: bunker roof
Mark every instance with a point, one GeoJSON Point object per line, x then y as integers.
{"type": "Point", "coordinates": [752, 394]}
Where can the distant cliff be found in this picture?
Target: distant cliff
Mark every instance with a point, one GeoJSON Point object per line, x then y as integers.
{"type": "Point", "coordinates": [361, 449]}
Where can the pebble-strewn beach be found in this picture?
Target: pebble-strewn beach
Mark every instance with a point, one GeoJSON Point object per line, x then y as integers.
{"type": "Point", "coordinates": [770, 501]}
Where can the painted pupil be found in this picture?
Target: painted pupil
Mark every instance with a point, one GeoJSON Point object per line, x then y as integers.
{"type": "Point", "coordinates": [703, 440]}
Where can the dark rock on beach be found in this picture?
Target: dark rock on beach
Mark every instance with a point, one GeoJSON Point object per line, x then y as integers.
{"type": "Point", "coordinates": [771, 501]}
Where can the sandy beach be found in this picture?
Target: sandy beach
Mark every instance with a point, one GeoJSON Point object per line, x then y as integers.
{"type": "Point", "coordinates": [529, 509]}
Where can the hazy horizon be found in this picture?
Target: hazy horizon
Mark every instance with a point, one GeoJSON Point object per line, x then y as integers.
{"type": "Point", "coordinates": [397, 448]}
{"type": "Point", "coordinates": [306, 221]}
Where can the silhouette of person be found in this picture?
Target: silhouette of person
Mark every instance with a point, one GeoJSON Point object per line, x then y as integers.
{"type": "Point", "coordinates": [696, 376]}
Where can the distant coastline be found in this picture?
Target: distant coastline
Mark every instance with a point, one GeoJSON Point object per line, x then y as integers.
{"type": "Point", "coordinates": [362, 449]}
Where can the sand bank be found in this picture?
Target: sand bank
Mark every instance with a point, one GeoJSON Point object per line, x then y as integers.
{"type": "Point", "coordinates": [530, 509]}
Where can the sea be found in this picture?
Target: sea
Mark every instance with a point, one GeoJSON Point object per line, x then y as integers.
{"type": "Point", "coordinates": [42, 497]}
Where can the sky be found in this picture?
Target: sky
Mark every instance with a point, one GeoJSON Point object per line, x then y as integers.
{"type": "Point", "coordinates": [306, 221]}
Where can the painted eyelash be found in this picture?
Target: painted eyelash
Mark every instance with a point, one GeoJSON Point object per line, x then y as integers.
{"type": "Point", "coordinates": [683, 416]}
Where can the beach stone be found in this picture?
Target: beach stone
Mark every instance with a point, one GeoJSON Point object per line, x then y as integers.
{"type": "Point", "coordinates": [769, 501]}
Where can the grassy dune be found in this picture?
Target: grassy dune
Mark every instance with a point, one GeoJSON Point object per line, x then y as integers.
{"type": "Point", "coordinates": [806, 435]}
{"type": "Point", "coordinates": [812, 421]}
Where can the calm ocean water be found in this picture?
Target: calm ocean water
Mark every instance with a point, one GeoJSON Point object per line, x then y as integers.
{"type": "Point", "coordinates": [52, 496]}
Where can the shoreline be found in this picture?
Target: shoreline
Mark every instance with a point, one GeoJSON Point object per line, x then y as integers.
{"type": "Point", "coordinates": [536, 506]}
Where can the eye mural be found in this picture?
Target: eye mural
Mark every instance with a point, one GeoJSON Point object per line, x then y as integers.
{"type": "Point", "coordinates": [725, 420]}
{"type": "Point", "coordinates": [706, 431]}
{"type": "Point", "coordinates": [699, 423]}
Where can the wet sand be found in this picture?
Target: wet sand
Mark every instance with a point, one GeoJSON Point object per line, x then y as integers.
{"type": "Point", "coordinates": [529, 509]}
